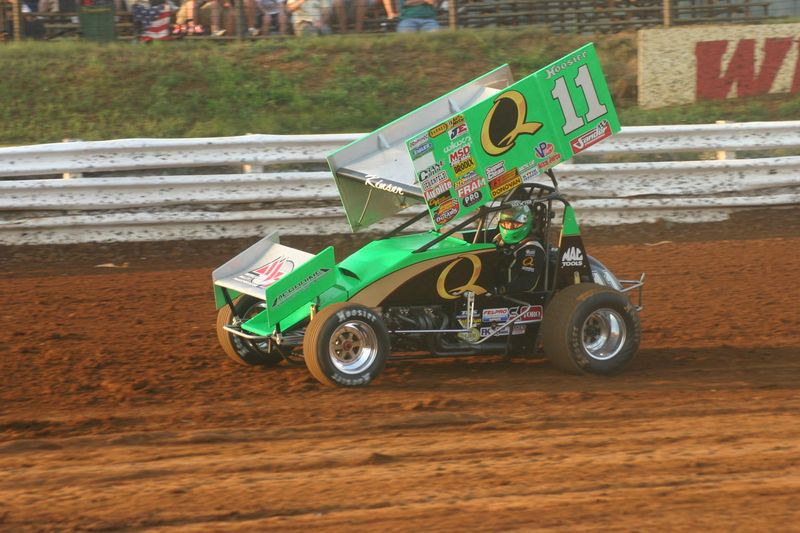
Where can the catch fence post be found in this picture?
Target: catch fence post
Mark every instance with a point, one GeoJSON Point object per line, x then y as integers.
{"type": "Point", "coordinates": [723, 155]}
{"type": "Point", "coordinates": [71, 175]}
{"type": "Point", "coordinates": [240, 29]}
{"type": "Point", "coordinates": [16, 17]}
{"type": "Point", "coordinates": [667, 13]}
{"type": "Point", "coordinates": [452, 14]}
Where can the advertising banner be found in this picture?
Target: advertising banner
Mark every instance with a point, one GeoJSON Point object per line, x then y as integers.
{"type": "Point", "coordinates": [684, 65]}
{"type": "Point", "coordinates": [490, 148]}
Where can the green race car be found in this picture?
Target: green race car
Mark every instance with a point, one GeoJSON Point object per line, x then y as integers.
{"type": "Point", "coordinates": [503, 271]}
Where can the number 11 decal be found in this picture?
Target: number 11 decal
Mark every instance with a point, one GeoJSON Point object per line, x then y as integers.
{"type": "Point", "coordinates": [571, 120]}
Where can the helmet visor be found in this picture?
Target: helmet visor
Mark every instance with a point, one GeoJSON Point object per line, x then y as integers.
{"type": "Point", "coordinates": [511, 224]}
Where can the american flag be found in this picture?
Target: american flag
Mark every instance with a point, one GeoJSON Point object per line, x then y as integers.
{"type": "Point", "coordinates": [154, 21]}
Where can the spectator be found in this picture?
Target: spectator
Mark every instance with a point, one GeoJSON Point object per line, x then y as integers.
{"type": "Point", "coordinates": [309, 17]}
{"type": "Point", "coordinates": [417, 15]}
{"type": "Point", "coordinates": [274, 16]}
{"type": "Point", "coordinates": [356, 10]}
{"type": "Point", "coordinates": [187, 19]}
{"type": "Point", "coordinates": [223, 16]}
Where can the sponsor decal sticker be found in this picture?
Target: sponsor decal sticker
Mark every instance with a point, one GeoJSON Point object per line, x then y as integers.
{"type": "Point", "coordinates": [436, 201]}
{"type": "Point", "coordinates": [441, 187]}
{"type": "Point", "coordinates": [472, 198]}
{"type": "Point", "coordinates": [533, 314]}
{"type": "Point", "coordinates": [504, 183]}
{"type": "Point", "coordinates": [543, 149]}
{"type": "Point", "coordinates": [267, 274]}
{"type": "Point", "coordinates": [572, 257]}
{"type": "Point", "coordinates": [495, 169]}
{"type": "Point", "coordinates": [378, 183]}
{"type": "Point", "coordinates": [591, 137]}
{"type": "Point", "coordinates": [426, 173]}
{"type": "Point", "coordinates": [499, 314]}
{"type": "Point", "coordinates": [460, 155]}
{"type": "Point", "coordinates": [464, 166]}
{"type": "Point", "coordinates": [469, 176]}
{"type": "Point", "coordinates": [458, 131]}
{"type": "Point", "coordinates": [468, 187]}
{"type": "Point", "coordinates": [300, 285]}
{"type": "Point", "coordinates": [418, 141]}
{"type": "Point", "coordinates": [555, 69]}
{"type": "Point", "coordinates": [421, 150]}
{"type": "Point", "coordinates": [458, 143]}
{"type": "Point", "coordinates": [446, 212]}
{"type": "Point", "coordinates": [528, 171]}
{"type": "Point", "coordinates": [438, 130]}
{"type": "Point", "coordinates": [434, 180]}
{"type": "Point", "coordinates": [516, 330]}
{"type": "Point", "coordinates": [445, 126]}
{"type": "Point", "coordinates": [452, 294]}
{"type": "Point", "coordinates": [551, 161]}
{"type": "Point", "coordinates": [504, 122]}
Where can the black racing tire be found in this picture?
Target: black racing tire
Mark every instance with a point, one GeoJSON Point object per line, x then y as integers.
{"type": "Point", "coordinates": [346, 345]}
{"type": "Point", "coordinates": [588, 328]}
{"type": "Point", "coordinates": [243, 351]}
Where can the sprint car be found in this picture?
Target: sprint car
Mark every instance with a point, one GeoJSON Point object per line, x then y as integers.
{"type": "Point", "coordinates": [504, 269]}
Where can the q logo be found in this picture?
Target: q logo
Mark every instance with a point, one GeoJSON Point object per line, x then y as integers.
{"type": "Point", "coordinates": [505, 122]}
{"type": "Point", "coordinates": [452, 294]}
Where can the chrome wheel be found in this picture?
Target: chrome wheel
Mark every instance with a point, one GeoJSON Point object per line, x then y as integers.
{"type": "Point", "coordinates": [353, 347]}
{"type": "Point", "coordinates": [603, 334]}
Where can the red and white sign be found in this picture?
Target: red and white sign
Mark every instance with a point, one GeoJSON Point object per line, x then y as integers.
{"type": "Point", "coordinates": [682, 65]}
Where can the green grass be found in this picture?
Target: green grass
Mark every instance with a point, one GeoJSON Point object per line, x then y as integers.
{"type": "Point", "coordinates": [57, 90]}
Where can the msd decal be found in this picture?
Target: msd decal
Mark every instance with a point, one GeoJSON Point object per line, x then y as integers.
{"type": "Point", "coordinates": [460, 155]}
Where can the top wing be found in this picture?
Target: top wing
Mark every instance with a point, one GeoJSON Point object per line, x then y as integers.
{"type": "Point", "coordinates": [478, 143]}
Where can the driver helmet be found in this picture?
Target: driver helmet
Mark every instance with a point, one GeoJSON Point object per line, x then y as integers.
{"type": "Point", "coordinates": [515, 224]}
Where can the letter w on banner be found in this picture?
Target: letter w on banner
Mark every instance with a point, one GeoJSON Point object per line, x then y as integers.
{"type": "Point", "coordinates": [153, 21]}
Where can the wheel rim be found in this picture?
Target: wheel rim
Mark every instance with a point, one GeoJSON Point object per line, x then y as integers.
{"type": "Point", "coordinates": [603, 334]}
{"type": "Point", "coordinates": [261, 346]}
{"type": "Point", "coordinates": [353, 347]}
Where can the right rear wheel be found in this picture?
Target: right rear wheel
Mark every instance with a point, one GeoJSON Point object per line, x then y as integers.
{"type": "Point", "coordinates": [588, 328]}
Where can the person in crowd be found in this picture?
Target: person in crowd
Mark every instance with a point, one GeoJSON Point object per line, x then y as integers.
{"type": "Point", "coordinates": [223, 16]}
{"type": "Point", "coordinates": [417, 15]}
{"type": "Point", "coordinates": [309, 17]}
{"type": "Point", "coordinates": [274, 16]}
{"type": "Point", "coordinates": [356, 10]}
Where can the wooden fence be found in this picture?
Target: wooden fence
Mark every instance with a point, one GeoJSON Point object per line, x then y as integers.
{"type": "Point", "coordinates": [560, 16]}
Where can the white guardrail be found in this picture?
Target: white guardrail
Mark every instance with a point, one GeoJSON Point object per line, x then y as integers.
{"type": "Point", "coordinates": [140, 206]}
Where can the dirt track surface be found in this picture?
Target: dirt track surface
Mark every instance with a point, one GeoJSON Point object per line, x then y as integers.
{"type": "Point", "coordinates": [119, 411]}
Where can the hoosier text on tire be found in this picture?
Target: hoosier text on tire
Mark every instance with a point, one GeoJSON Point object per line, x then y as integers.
{"type": "Point", "coordinates": [346, 345]}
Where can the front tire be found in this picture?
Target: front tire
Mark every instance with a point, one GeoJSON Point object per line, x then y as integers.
{"type": "Point", "coordinates": [346, 345]}
{"type": "Point", "coordinates": [244, 351]}
{"type": "Point", "coordinates": [588, 328]}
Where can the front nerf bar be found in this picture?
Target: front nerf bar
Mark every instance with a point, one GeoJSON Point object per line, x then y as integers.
{"type": "Point", "coordinates": [630, 284]}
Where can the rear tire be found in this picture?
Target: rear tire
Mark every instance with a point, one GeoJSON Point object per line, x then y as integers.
{"type": "Point", "coordinates": [243, 351]}
{"type": "Point", "coordinates": [588, 328]}
{"type": "Point", "coordinates": [346, 345]}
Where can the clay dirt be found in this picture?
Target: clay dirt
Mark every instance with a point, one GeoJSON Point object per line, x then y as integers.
{"type": "Point", "coordinates": [119, 411]}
